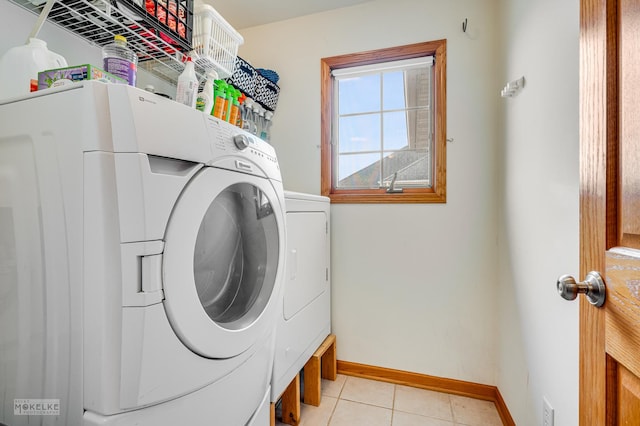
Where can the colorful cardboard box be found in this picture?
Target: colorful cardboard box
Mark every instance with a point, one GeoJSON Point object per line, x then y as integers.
{"type": "Point", "coordinates": [75, 73]}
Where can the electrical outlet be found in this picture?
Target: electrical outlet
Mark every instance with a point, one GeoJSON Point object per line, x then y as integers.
{"type": "Point", "coordinates": [547, 413]}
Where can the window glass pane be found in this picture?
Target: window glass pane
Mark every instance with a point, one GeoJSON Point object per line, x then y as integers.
{"type": "Point", "coordinates": [418, 87]}
{"type": "Point", "coordinates": [359, 133]}
{"type": "Point", "coordinates": [359, 171]}
{"type": "Point", "coordinates": [395, 130]}
{"type": "Point", "coordinates": [412, 166]}
{"type": "Point", "coordinates": [393, 90]}
{"type": "Point", "coordinates": [419, 128]}
{"type": "Point", "coordinates": [384, 126]}
{"type": "Point", "coordinates": [359, 94]}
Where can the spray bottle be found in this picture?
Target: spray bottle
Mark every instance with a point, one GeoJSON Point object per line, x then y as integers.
{"type": "Point", "coordinates": [248, 123]}
{"type": "Point", "coordinates": [257, 119]}
{"type": "Point", "coordinates": [235, 107]}
{"type": "Point", "coordinates": [266, 130]}
{"type": "Point", "coordinates": [187, 89]}
{"type": "Point", "coordinates": [241, 113]}
{"type": "Point", "coordinates": [227, 106]}
{"type": "Point", "coordinates": [205, 99]}
{"type": "Point", "coordinates": [220, 99]}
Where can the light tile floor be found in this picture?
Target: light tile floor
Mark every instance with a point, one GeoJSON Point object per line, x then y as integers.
{"type": "Point", "coordinates": [352, 401]}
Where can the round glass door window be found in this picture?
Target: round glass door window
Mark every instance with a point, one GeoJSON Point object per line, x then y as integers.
{"type": "Point", "coordinates": [236, 256]}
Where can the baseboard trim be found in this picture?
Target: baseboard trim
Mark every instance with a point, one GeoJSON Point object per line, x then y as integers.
{"type": "Point", "coordinates": [505, 415]}
{"type": "Point", "coordinates": [423, 381]}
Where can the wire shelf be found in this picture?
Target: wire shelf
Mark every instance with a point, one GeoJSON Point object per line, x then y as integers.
{"type": "Point", "coordinates": [98, 21]}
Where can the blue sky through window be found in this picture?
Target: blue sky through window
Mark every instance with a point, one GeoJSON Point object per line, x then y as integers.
{"type": "Point", "coordinates": [367, 127]}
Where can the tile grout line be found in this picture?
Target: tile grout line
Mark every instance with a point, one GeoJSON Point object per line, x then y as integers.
{"type": "Point", "coordinates": [454, 421]}
{"type": "Point", "coordinates": [370, 404]}
{"type": "Point", "coordinates": [453, 414]}
{"type": "Point", "coordinates": [333, 411]}
{"type": "Point", "coordinates": [393, 404]}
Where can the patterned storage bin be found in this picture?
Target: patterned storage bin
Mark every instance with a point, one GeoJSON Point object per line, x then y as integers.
{"type": "Point", "coordinates": [266, 93]}
{"type": "Point", "coordinates": [244, 77]}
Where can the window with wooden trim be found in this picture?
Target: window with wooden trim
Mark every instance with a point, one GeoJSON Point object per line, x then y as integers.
{"type": "Point", "coordinates": [384, 125]}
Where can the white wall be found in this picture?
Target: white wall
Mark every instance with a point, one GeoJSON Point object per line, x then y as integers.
{"type": "Point", "coordinates": [414, 286]}
{"type": "Point", "coordinates": [539, 232]}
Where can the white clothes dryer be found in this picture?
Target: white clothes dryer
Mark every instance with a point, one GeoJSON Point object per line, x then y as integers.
{"type": "Point", "coordinates": [141, 257]}
{"type": "Point", "coordinates": [305, 319]}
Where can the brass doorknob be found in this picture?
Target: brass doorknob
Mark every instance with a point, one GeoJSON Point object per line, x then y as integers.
{"type": "Point", "coordinates": [593, 287]}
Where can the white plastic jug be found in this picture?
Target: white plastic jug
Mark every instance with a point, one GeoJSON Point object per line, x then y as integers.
{"type": "Point", "coordinates": [21, 64]}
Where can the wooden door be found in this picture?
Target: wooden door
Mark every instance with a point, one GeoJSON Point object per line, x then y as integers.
{"type": "Point", "coordinates": [610, 210]}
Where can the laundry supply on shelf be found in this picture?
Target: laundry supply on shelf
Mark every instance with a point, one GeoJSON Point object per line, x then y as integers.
{"type": "Point", "coordinates": [234, 108]}
{"type": "Point", "coordinates": [48, 78]}
{"type": "Point", "coordinates": [187, 89]}
{"type": "Point", "coordinates": [206, 99]}
{"type": "Point", "coordinates": [241, 100]}
{"type": "Point", "coordinates": [220, 99]}
{"type": "Point", "coordinates": [227, 103]}
{"type": "Point", "coordinates": [20, 65]}
{"type": "Point", "coordinates": [247, 119]}
{"type": "Point", "coordinates": [120, 60]}
{"type": "Point", "coordinates": [265, 134]}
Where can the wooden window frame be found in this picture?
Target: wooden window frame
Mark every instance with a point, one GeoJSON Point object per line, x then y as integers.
{"type": "Point", "coordinates": [435, 194]}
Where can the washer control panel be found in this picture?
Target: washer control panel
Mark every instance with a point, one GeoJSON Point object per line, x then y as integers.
{"type": "Point", "coordinates": [241, 141]}
{"type": "Point", "coordinates": [258, 157]}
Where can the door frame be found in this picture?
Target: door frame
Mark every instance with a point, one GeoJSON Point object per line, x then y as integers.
{"type": "Point", "coordinates": [598, 185]}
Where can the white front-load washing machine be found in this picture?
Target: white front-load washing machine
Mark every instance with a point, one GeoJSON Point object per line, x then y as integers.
{"type": "Point", "coordinates": [305, 319]}
{"type": "Point", "coordinates": [141, 257]}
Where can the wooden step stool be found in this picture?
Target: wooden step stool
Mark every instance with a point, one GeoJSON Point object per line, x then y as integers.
{"type": "Point", "coordinates": [321, 365]}
{"type": "Point", "coordinates": [290, 404]}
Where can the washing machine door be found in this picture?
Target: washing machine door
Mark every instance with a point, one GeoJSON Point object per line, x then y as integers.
{"type": "Point", "coordinates": [224, 251]}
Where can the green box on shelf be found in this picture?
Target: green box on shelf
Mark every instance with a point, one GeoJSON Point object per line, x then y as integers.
{"type": "Point", "coordinates": [75, 73]}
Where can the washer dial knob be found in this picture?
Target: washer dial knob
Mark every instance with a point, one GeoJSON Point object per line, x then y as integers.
{"type": "Point", "coordinates": [241, 141]}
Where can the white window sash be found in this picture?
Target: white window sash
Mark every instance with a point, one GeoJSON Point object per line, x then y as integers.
{"type": "Point", "coordinates": [363, 70]}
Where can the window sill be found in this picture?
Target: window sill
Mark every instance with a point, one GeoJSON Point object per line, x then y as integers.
{"type": "Point", "coordinates": [369, 196]}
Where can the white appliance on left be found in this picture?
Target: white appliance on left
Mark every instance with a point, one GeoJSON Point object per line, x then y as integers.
{"type": "Point", "coordinates": [141, 251]}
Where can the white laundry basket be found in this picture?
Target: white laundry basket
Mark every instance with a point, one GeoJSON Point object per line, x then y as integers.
{"type": "Point", "coordinates": [215, 41]}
